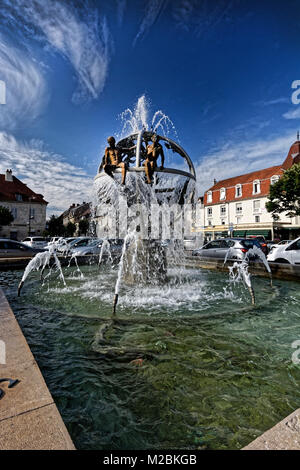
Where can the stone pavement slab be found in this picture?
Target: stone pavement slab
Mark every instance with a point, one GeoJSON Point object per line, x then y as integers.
{"type": "Point", "coordinates": [29, 418]}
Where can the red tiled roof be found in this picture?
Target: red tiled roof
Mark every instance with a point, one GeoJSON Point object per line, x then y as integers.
{"type": "Point", "coordinates": [9, 189]}
{"type": "Point", "coordinates": [264, 176]}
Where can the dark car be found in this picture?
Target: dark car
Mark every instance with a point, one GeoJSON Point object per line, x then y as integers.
{"type": "Point", "coordinates": [218, 248]}
{"type": "Point", "coordinates": [262, 241]}
{"type": "Point", "coordinates": [14, 249]}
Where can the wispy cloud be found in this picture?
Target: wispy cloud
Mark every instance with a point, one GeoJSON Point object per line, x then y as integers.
{"type": "Point", "coordinates": [281, 100]}
{"type": "Point", "coordinates": [77, 33]}
{"type": "Point", "coordinates": [293, 113]}
{"type": "Point", "coordinates": [25, 87]}
{"type": "Point", "coordinates": [121, 7]}
{"type": "Point", "coordinates": [233, 159]}
{"type": "Point", "coordinates": [44, 172]}
{"type": "Point", "coordinates": [153, 10]}
{"type": "Point", "coordinates": [200, 16]}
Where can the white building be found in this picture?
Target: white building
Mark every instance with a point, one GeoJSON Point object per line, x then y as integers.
{"type": "Point", "coordinates": [237, 205]}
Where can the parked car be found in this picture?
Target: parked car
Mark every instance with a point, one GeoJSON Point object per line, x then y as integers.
{"type": "Point", "coordinates": [279, 243]}
{"type": "Point", "coordinates": [286, 253]}
{"type": "Point", "coordinates": [271, 243]}
{"type": "Point", "coordinates": [80, 241]}
{"type": "Point", "coordinates": [14, 249]}
{"type": "Point", "coordinates": [262, 241]}
{"type": "Point", "coordinates": [93, 247]}
{"type": "Point", "coordinates": [116, 245]}
{"type": "Point", "coordinates": [191, 243]}
{"type": "Point", "coordinates": [35, 242]}
{"type": "Point", "coordinates": [218, 248]}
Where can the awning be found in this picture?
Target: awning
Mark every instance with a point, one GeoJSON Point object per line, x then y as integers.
{"type": "Point", "coordinates": [265, 233]}
{"type": "Point", "coordinates": [239, 233]}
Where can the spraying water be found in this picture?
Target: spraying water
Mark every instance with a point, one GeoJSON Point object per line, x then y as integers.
{"type": "Point", "coordinates": [41, 261]}
{"type": "Point", "coordinates": [138, 119]}
{"type": "Point", "coordinates": [239, 270]}
{"type": "Point", "coordinates": [129, 237]}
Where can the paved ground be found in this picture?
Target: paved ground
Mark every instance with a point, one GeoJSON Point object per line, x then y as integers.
{"type": "Point", "coordinates": [284, 436]}
{"type": "Point", "coordinates": [29, 418]}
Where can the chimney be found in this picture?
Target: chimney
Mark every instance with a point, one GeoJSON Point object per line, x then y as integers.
{"type": "Point", "coordinates": [215, 181]}
{"type": "Point", "coordinates": [8, 175]}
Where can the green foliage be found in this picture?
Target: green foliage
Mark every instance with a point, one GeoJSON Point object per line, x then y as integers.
{"type": "Point", "coordinates": [83, 226]}
{"type": "Point", "coordinates": [70, 229]}
{"type": "Point", "coordinates": [55, 227]}
{"type": "Point", "coordinates": [6, 216]}
{"type": "Point", "coordinates": [285, 194]}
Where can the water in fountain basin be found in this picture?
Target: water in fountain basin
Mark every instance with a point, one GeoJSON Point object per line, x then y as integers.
{"type": "Point", "coordinates": [214, 375]}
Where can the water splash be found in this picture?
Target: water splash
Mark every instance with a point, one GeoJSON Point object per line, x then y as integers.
{"type": "Point", "coordinates": [138, 119]}
{"type": "Point", "coordinates": [105, 247]}
{"type": "Point", "coordinates": [129, 238]}
{"type": "Point", "coordinates": [40, 262]}
{"type": "Point", "coordinates": [239, 270]}
{"type": "Point", "coordinates": [74, 257]}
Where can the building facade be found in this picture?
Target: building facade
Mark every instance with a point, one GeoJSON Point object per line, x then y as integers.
{"type": "Point", "coordinates": [27, 207]}
{"type": "Point", "coordinates": [237, 206]}
{"type": "Point", "coordinates": [75, 214]}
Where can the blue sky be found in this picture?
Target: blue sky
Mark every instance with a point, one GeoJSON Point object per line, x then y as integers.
{"type": "Point", "coordinates": [221, 70]}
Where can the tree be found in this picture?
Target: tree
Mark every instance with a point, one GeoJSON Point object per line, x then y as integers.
{"type": "Point", "coordinates": [55, 227]}
{"type": "Point", "coordinates": [70, 229]}
{"type": "Point", "coordinates": [285, 194]}
{"type": "Point", "coordinates": [6, 216]}
{"type": "Point", "coordinates": [83, 226]}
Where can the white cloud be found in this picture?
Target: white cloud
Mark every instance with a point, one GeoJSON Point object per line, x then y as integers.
{"type": "Point", "coordinates": [293, 113]}
{"type": "Point", "coordinates": [47, 173]}
{"type": "Point", "coordinates": [200, 16]}
{"type": "Point", "coordinates": [25, 87]}
{"type": "Point", "coordinates": [121, 7]}
{"type": "Point", "coordinates": [235, 159]}
{"type": "Point", "coordinates": [153, 9]}
{"type": "Point", "coordinates": [281, 100]}
{"type": "Point", "coordinates": [79, 35]}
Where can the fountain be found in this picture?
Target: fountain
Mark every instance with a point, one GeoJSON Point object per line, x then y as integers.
{"type": "Point", "coordinates": [144, 214]}
{"type": "Point", "coordinates": [187, 342]}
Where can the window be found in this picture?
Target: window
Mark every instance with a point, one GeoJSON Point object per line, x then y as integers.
{"type": "Point", "coordinates": [274, 179]}
{"type": "Point", "coordinates": [257, 219]}
{"type": "Point", "coordinates": [213, 244]}
{"type": "Point", "coordinates": [238, 220]}
{"type": "Point", "coordinates": [32, 213]}
{"type": "Point", "coordinates": [238, 208]}
{"type": "Point", "coordinates": [209, 212]}
{"type": "Point", "coordinates": [256, 187]}
{"type": "Point", "coordinates": [209, 196]}
{"type": "Point", "coordinates": [19, 197]}
{"type": "Point", "coordinates": [222, 194]}
{"type": "Point", "coordinates": [209, 223]}
{"type": "Point", "coordinates": [223, 210]}
{"type": "Point", "coordinates": [256, 206]}
{"type": "Point", "coordinates": [238, 190]}
{"type": "Point", "coordinates": [223, 221]}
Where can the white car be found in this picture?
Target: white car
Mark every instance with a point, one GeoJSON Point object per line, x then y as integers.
{"type": "Point", "coordinates": [288, 253]}
{"type": "Point", "coordinates": [35, 242]}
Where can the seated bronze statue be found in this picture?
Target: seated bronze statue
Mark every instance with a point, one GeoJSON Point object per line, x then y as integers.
{"type": "Point", "coordinates": [154, 150]}
{"type": "Point", "coordinates": [113, 159]}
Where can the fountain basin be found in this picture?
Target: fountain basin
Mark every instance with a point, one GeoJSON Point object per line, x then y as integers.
{"type": "Point", "coordinates": [215, 371]}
